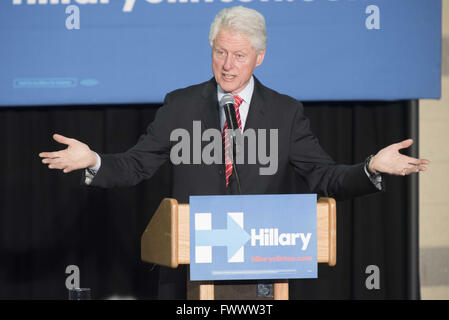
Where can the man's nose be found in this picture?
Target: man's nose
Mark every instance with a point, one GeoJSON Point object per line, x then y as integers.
{"type": "Point", "coordinates": [229, 63]}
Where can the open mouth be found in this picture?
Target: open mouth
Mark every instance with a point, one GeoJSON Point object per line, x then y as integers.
{"type": "Point", "coordinates": [228, 76]}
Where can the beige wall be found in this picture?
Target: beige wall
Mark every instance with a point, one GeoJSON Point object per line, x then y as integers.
{"type": "Point", "coordinates": [434, 184]}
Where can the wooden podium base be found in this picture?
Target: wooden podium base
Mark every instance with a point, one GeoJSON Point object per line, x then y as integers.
{"type": "Point", "coordinates": [233, 290]}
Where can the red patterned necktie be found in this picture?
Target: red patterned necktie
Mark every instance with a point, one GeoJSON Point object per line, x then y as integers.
{"type": "Point", "coordinates": [228, 161]}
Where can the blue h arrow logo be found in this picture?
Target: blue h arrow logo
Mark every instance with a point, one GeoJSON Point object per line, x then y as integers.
{"type": "Point", "coordinates": [233, 237]}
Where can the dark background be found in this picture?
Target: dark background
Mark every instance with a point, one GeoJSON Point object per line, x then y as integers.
{"type": "Point", "coordinates": [48, 220]}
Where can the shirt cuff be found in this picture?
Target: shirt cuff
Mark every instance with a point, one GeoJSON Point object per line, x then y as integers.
{"type": "Point", "coordinates": [376, 178]}
{"type": "Point", "coordinates": [92, 171]}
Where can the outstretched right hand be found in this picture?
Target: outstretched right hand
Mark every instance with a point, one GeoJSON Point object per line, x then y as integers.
{"type": "Point", "coordinates": [77, 155]}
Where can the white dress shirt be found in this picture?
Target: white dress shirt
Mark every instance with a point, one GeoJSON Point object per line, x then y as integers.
{"type": "Point", "coordinates": [245, 94]}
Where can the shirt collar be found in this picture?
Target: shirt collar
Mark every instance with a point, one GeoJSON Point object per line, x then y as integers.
{"type": "Point", "coordinates": [245, 94]}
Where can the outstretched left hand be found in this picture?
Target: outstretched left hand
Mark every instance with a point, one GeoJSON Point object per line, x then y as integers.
{"type": "Point", "coordinates": [390, 161]}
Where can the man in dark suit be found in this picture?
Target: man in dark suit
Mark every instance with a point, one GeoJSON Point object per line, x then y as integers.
{"type": "Point", "coordinates": [238, 42]}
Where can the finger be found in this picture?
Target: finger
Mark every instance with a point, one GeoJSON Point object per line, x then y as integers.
{"type": "Point", "coordinates": [405, 144]}
{"type": "Point", "coordinates": [424, 161]}
{"type": "Point", "coordinates": [50, 155]}
{"type": "Point", "coordinates": [417, 162]}
{"type": "Point", "coordinates": [413, 169]}
{"type": "Point", "coordinates": [48, 160]}
{"type": "Point", "coordinates": [416, 170]}
{"type": "Point", "coordinates": [61, 139]}
{"type": "Point", "coordinates": [46, 154]}
{"type": "Point", "coordinates": [57, 166]}
{"type": "Point", "coordinates": [57, 163]}
{"type": "Point", "coordinates": [410, 161]}
{"type": "Point", "coordinates": [54, 166]}
{"type": "Point", "coordinates": [54, 161]}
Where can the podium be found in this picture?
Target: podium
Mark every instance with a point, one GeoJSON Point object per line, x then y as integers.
{"type": "Point", "coordinates": [166, 242]}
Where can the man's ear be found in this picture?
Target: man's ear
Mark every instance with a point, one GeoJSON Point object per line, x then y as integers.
{"type": "Point", "coordinates": [260, 57]}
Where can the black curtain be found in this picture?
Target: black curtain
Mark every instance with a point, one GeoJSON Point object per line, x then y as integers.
{"type": "Point", "coordinates": [48, 220]}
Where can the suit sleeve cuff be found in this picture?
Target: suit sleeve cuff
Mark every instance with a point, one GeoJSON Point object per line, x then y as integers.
{"type": "Point", "coordinates": [92, 171]}
{"type": "Point", "coordinates": [376, 178]}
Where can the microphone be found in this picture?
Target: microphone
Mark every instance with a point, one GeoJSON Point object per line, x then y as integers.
{"type": "Point", "coordinates": [227, 103]}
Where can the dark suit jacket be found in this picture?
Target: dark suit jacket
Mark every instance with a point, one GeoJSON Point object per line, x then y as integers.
{"type": "Point", "coordinates": [302, 163]}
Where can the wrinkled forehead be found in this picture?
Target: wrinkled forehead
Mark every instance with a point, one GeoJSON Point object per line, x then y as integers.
{"type": "Point", "coordinates": [233, 38]}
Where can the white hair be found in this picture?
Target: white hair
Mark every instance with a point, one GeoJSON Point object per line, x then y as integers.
{"type": "Point", "coordinates": [242, 20]}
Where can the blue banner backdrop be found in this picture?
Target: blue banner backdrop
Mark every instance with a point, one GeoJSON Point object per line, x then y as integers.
{"type": "Point", "coordinates": [136, 51]}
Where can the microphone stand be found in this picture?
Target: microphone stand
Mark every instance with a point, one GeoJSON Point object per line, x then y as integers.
{"type": "Point", "coordinates": [265, 289]}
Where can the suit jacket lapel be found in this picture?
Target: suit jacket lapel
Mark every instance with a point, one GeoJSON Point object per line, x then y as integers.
{"type": "Point", "coordinates": [209, 106]}
{"type": "Point", "coordinates": [256, 119]}
{"type": "Point", "coordinates": [256, 114]}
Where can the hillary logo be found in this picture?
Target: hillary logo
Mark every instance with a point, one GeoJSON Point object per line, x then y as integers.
{"type": "Point", "coordinates": [234, 237]}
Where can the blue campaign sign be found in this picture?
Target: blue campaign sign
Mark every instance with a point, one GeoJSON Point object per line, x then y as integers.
{"type": "Point", "coordinates": [136, 51]}
{"type": "Point", "coordinates": [253, 237]}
